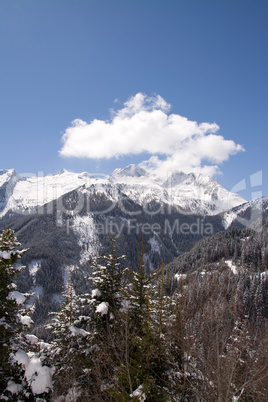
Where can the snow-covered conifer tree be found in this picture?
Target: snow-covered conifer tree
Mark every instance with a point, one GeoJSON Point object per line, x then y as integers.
{"type": "Point", "coordinates": [107, 280]}
{"type": "Point", "coordinates": [68, 349]}
{"type": "Point", "coordinates": [11, 318]}
{"type": "Point", "coordinates": [107, 347]}
{"type": "Point", "coordinates": [146, 318]}
{"type": "Point", "coordinates": [23, 375]}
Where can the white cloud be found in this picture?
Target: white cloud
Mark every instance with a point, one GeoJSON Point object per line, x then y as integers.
{"type": "Point", "coordinates": [144, 125]}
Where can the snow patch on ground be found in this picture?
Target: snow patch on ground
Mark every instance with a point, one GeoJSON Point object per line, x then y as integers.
{"type": "Point", "coordinates": [228, 219]}
{"type": "Point", "coordinates": [34, 266]}
{"type": "Point", "coordinates": [232, 266]}
{"type": "Point", "coordinates": [179, 277]}
{"type": "Point", "coordinates": [84, 230]}
{"type": "Point", "coordinates": [155, 246]}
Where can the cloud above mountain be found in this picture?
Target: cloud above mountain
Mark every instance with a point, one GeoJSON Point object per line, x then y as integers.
{"type": "Point", "coordinates": [144, 125]}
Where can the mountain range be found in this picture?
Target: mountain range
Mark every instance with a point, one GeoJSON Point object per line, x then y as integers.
{"type": "Point", "coordinates": [66, 219]}
{"type": "Point", "coordinates": [194, 193]}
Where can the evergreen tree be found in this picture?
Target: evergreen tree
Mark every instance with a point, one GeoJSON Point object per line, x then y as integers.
{"type": "Point", "coordinates": [23, 375]}
{"type": "Point", "coordinates": [146, 326]}
{"type": "Point", "coordinates": [11, 319]}
{"type": "Point", "coordinates": [106, 351]}
{"type": "Point", "coordinates": [68, 349]}
{"type": "Point", "coordinates": [107, 280]}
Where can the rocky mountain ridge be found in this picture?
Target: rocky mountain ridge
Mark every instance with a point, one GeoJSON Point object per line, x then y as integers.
{"type": "Point", "coordinates": [190, 193]}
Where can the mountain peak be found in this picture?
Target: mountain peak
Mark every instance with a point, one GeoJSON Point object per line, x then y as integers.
{"type": "Point", "coordinates": [62, 171]}
{"type": "Point", "coordinates": [131, 171]}
{"type": "Point", "coordinates": [176, 178]}
{"type": "Point", "coordinates": [9, 172]}
{"type": "Point", "coordinates": [7, 175]}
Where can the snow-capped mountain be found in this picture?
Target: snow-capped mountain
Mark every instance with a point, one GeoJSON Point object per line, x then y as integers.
{"type": "Point", "coordinates": [23, 194]}
{"type": "Point", "coordinates": [66, 219]}
{"type": "Point", "coordinates": [8, 180]}
{"type": "Point", "coordinates": [189, 193]}
{"type": "Point", "coordinates": [250, 214]}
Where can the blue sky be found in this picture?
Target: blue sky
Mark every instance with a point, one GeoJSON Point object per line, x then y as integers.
{"type": "Point", "coordinates": [123, 62]}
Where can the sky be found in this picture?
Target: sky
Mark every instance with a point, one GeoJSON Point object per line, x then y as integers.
{"type": "Point", "coordinates": [94, 85]}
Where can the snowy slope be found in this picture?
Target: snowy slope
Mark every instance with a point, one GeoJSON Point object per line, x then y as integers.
{"type": "Point", "coordinates": [247, 214]}
{"type": "Point", "coordinates": [8, 180]}
{"type": "Point", "coordinates": [29, 193]}
{"type": "Point", "coordinates": [189, 193]}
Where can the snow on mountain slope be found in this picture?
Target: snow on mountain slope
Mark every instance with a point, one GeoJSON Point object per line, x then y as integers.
{"type": "Point", "coordinates": [87, 236]}
{"type": "Point", "coordinates": [31, 192]}
{"type": "Point", "coordinates": [189, 192]}
{"type": "Point", "coordinates": [8, 180]}
{"type": "Point", "coordinates": [6, 175]}
{"type": "Point", "coordinates": [247, 214]}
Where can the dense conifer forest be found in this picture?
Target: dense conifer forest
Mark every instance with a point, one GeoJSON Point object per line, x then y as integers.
{"type": "Point", "coordinates": [193, 330]}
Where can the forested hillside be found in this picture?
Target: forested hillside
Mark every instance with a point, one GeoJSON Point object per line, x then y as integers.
{"type": "Point", "coordinates": [247, 247]}
{"type": "Point", "coordinates": [169, 335]}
